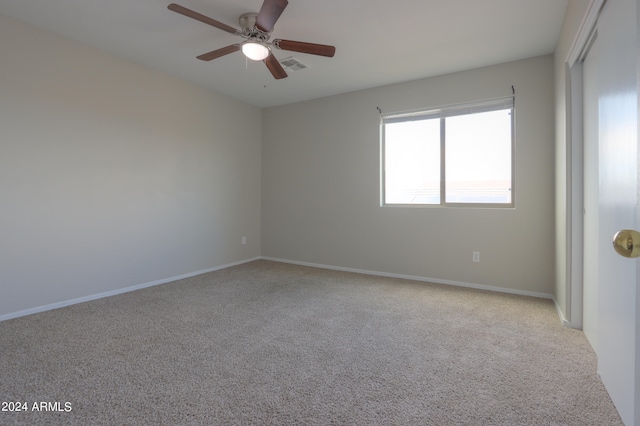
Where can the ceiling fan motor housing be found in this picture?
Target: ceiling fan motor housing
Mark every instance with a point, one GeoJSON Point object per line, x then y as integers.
{"type": "Point", "coordinates": [248, 21]}
{"type": "Point", "coordinates": [249, 30]}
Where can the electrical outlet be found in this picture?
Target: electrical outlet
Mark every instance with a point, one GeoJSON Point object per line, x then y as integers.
{"type": "Point", "coordinates": [476, 256]}
{"type": "Point", "coordinates": [244, 240]}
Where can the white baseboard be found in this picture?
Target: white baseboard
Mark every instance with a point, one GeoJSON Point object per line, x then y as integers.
{"type": "Point", "coordinates": [62, 304]}
{"type": "Point", "coordinates": [416, 278]}
{"type": "Point", "coordinates": [563, 319]}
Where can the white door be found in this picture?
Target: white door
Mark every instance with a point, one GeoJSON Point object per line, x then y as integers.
{"type": "Point", "coordinates": [616, 316]}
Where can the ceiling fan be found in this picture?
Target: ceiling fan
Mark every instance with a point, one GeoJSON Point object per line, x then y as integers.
{"type": "Point", "coordinates": [256, 28]}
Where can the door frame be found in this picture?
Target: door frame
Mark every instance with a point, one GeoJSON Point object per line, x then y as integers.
{"type": "Point", "coordinates": [574, 166]}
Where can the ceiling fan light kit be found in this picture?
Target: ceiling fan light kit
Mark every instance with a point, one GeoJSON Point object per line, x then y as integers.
{"type": "Point", "coordinates": [255, 51]}
{"type": "Point", "coordinates": [256, 29]}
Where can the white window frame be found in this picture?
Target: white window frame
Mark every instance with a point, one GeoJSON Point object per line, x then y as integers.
{"type": "Point", "coordinates": [442, 113]}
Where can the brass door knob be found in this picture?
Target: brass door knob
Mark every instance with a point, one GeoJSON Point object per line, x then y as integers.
{"type": "Point", "coordinates": [627, 243]}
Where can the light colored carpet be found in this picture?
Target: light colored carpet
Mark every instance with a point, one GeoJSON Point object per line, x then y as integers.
{"type": "Point", "coordinates": [269, 343]}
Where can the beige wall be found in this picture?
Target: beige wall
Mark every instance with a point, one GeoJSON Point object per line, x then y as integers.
{"type": "Point", "coordinates": [576, 11]}
{"type": "Point", "coordinates": [321, 197]}
{"type": "Point", "coordinates": [113, 175]}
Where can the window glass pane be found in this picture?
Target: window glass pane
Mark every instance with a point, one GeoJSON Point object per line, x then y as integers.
{"type": "Point", "coordinates": [478, 158]}
{"type": "Point", "coordinates": [412, 162]}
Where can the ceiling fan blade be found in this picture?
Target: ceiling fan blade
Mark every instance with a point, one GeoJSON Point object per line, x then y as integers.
{"type": "Point", "coordinates": [218, 53]}
{"type": "Point", "coordinates": [302, 47]}
{"type": "Point", "coordinates": [274, 66]}
{"type": "Point", "coordinates": [199, 17]}
{"type": "Point", "coordinates": [269, 14]}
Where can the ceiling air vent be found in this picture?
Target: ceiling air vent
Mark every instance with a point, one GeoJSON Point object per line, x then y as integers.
{"type": "Point", "coordinates": [292, 64]}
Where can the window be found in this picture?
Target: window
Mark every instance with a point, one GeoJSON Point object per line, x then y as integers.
{"type": "Point", "coordinates": [460, 155]}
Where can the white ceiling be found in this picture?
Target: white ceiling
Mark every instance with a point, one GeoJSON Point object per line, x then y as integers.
{"type": "Point", "coordinates": [378, 42]}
